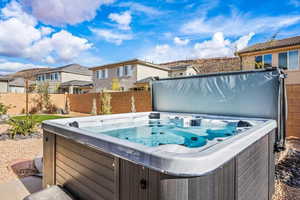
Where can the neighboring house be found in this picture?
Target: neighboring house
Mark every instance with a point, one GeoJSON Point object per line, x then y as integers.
{"type": "Point", "coordinates": [125, 74]}
{"type": "Point", "coordinates": [182, 69]}
{"type": "Point", "coordinates": [76, 87]}
{"type": "Point", "coordinates": [202, 66]}
{"type": "Point", "coordinates": [57, 76]}
{"type": "Point", "coordinates": [4, 84]}
{"type": "Point", "coordinates": [13, 85]}
{"type": "Point", "coordinates": [15, 82]}
{"type": "Point", "coordinates": [144, 84]}
{"type": "Point", "coordinates": [17, 85]}
{"type": "Point", "coordinates": [284, 53]}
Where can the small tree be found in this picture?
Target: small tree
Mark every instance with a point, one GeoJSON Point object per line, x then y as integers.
{"type": "Point", "coordinates": [105, 103]}
{"type": "Point", "coordinates": [133, 109]}
{"type": "Point", "coordinates": [115, 85]}
{"type": "Point", "coordinates": [94, 107]}
{"type": "Point", "coordinates": [67, 104]}
{"type": "Point", "coordinates": [44, 100]}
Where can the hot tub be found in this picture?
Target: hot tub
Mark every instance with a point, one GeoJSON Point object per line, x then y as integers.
{"type": "Point", "coordinates": [164, 155]}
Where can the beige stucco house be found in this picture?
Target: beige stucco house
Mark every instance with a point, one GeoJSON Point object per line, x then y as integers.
{"type": "Point", "coordinates": [13, 85]}
{"type": "Point", "coordinates": [56, 77]}
{"type": "Point", "coordinates": [4, 84]}
{"type": "Point", "coordinates": [284, 53]}
{"type": "Point", "coordinates": [125, 74]}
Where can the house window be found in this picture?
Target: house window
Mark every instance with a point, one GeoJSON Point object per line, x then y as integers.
{"type": "Point", "coordinates": [289, 60]}
{"type": "Point", "coordinates": [77, 91]}
{"type": "Point", "coordinates": [48, 76]}
{"type": "Point", "coordinates": [283, 60]}
{"type": "Point", "coordinates": [128, 70]}
{"type": "Point", "coordinates": [102, 74]}
{"type": "Point", "coordinates": [120, 71]}
{"type": "Point", "coordinates": [41, 77]}
{"type": "Point", "coordinates": [258, 62]}
{"type": "Point", "coordinates": [267, 60]}
{"type": "Point", "coordinates": [54, 76]}
{"type": "Point", "coordinates": [263, 61]}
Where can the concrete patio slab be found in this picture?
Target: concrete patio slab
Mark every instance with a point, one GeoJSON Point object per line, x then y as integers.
{"type": "Point", "coordinates": [20, 188]}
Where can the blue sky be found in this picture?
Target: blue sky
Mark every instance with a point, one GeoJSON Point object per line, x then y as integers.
{"type": "Point", "coordinates": [35, 33]}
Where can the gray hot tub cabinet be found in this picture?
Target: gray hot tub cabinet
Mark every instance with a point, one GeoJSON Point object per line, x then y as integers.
{"type": "Point", "coordinates": [237, 169]}
{"type": "Point", "coordinates": [90, 174]}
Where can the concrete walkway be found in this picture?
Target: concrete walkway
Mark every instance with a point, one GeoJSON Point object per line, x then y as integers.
{"type": "Point", "coordinates": [20, 188]}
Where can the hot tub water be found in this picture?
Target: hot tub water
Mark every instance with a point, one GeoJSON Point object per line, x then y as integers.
{"type": "Point", "coordinates": [157, 132]}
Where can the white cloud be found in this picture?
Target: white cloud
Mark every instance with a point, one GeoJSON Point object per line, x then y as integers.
{"type": "Point", "coordinates": [243, 41]}
{"type": "Point", "coordinates": [14, 10]}
{"type": "Point", "coordinates": [123, 20]}
{"type": "Point", "coordinates": [295, 3]}
{"type": "Point", "coordinates": [68, 46]}
{"type": "Point", "coordinates": [46, 30]}
{"type": "Point", "coordinates": [62, 12]}
{"type": "Point", "coordinates": [28, 41]}
{"type": "Point", "coordinates": [7, 67]}
{"type": "Point", "coordinates": [62, 46]}
{"type": "Point", "coordinates": [180, 41]}
{"type": "Point", "coordinates": [110, 36]}
{"type": "Point", "coordinates": [217, 46]}
{"type": "Point", "coordinates": [238, 24]}
{"type": "Point", "coordinates": [15, 36]}
{"type": "Point", "coordinates": [133, 6]}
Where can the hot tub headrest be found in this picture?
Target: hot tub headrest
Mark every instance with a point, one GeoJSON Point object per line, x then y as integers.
{"type": "Point", "coordinates": [74, 124]}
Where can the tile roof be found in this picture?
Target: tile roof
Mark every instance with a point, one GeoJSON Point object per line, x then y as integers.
{"type": "Point", "coordinates": [271, 45]}
{"type": "Point", "coordinates": [19, 82]}
{"type": "Point", "coordinates": [5, 78]}
{"type": "Point", "coordinates": [205, 65]}
{"type": "Point", "coordinates": [72, 68]}
{"type": "Point", "coordinates": [180, 66]}
{"type": "Point", "coordinates": [76, 83]}
{"type": "Point", "coordinates": [130, 62]}
{"type": "Point", "coordinates": [148, 79]}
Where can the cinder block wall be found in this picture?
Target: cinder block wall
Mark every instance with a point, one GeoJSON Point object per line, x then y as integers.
{"type": "Point", "coordinates": [120, 102]}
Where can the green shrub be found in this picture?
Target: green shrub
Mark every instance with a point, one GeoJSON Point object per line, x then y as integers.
{"type": "Point", "coordinates": [25, 126]}
{"type": "Point", "coordinates": [4, 109]}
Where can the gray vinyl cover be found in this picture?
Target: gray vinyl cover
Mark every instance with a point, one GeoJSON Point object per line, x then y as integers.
{"type": "Point", "coordinates": [245, 94]}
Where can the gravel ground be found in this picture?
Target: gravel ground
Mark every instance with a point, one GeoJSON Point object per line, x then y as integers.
{"type": "Point", "coordinates": [17, 151]}
{"type": "Point", "coordinates": [285, 189]}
